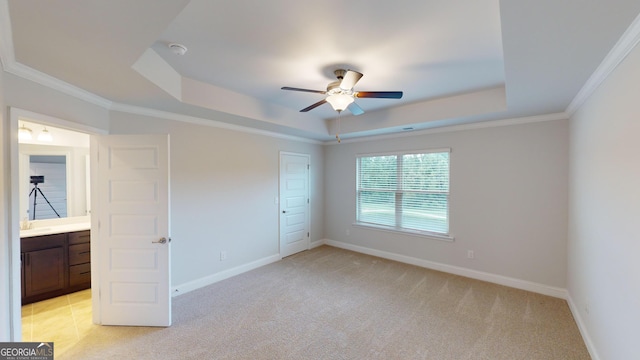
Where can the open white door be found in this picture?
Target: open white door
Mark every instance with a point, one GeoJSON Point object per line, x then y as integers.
{"type": "Point", "coordinates": [294, 203]}
{"type": "Point", "coordinates": [133, 233]}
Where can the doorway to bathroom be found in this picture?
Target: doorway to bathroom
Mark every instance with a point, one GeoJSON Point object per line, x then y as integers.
{"type": "Point", "coordinates": [54, 201]}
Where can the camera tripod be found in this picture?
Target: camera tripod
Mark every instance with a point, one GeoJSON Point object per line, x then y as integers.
{"type": "Point", "coordinates": [35, 192]}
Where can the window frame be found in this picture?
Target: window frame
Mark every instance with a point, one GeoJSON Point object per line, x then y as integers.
{"type": "Point", "coordinates": [398, 194]}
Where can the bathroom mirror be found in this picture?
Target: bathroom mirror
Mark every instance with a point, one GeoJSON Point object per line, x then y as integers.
{"type": "Point", "coordinates": [48, 183]}
{"type": "Point", "coordinates": [54, 175]}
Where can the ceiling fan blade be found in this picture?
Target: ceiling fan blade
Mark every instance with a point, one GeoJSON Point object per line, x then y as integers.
{"type": "Point", "coordinates": [379, 94]}
{"type": "Point", "coordinates": [355, 109]}
{"type": "Point", "coordinates": [305, 90]}
{"type": "Point", "coordinates": [350, 79]}
{"type": "Point", "coordinates": [311, 107]}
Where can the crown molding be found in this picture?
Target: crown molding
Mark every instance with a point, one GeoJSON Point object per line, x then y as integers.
{"type": "Point", "coordinates": [137, 110]}
{"type": "Point", "coordinates": [461, 127]}
{"type": "Point", "coordinates": [618, 53]}
{"type": "Point", "coordinates": [51, 82]}
{"type": "Point", "coordinates": [6, 37]}
{"type": "Point", "coordinates": [10, 65]}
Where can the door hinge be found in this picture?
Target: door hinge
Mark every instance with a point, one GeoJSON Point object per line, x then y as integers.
{"type": "Point", "coordinates": [307, 234]}
{"type": "Point", "coordinates": [307, 201]}
{"type": "Point", "coordinates": [308, 166]}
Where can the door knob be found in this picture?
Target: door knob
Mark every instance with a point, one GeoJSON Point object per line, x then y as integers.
{"type": "Point", "coordinates": [284, 211]}
{"type": "Point", "coordinates": [162, 240]}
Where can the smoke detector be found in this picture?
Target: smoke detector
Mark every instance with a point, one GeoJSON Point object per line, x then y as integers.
{"type": "Point", "coordinates": [177, 49]}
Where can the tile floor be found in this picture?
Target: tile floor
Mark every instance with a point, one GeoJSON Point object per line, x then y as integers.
{"type": "Point", "coordinates": [64, 320]}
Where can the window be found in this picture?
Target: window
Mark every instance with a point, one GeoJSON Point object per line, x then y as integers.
{"type": "Point", "coordinates": [406, 191]}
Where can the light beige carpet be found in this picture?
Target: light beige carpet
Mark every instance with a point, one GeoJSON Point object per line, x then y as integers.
{"type": "Point", "coordinates": [329, 303]}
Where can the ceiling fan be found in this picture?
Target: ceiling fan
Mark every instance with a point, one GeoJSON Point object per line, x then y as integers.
{"type": "Point", "coordinates": [340, 93]}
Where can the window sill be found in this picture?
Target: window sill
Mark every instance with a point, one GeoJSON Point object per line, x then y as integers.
{"type": "Point", "coordinates": [423, 234]}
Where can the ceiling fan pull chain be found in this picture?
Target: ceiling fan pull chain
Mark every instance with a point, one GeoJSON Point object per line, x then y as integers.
{"type": "Point", "coordinates": [338, 132]}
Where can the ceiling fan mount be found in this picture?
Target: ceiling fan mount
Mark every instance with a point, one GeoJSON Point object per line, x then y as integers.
{"type": "Point", "coordinates": [340, 73]}
{"type": "Point", "coordinates": [340, 93]}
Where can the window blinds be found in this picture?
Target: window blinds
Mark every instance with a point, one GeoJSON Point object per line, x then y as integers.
{"type": "Point", "coordinates": [405, 191]}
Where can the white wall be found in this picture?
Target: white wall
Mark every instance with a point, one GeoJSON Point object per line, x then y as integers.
{"type": "Point", "coordinates": [604, 231]}
{"type": "Point", "coordinates": [5, 219]}
{"type": "Point", "coordinates": [223, 187]}
{"type": "Point", "coordinates": [508, 200]}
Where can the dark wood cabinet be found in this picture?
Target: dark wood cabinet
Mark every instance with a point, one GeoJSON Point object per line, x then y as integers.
{"type": "Point", "coordinates": [44, 271]}
{"type": "Point", "coordinates": [79, 237]}
{"type": "Point", "coordinates": [79, 260]}
{"type": "Point", "coordinates": [44, 266]}
{"type": "Point", "coordinates": [54, 265]}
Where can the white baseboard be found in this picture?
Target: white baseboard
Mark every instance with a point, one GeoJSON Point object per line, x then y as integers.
{"type": "Point", "coordinates": [214, 278]}
{"type": "Point", "coordinates": [315, 244]}
{"type": "Point", "coordinates": [456, 270]}
{"type": "Point", "coordinates": [577, 315]}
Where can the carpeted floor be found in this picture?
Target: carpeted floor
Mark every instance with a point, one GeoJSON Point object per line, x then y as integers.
{"type": "Point", "coordinates": [329, 303]}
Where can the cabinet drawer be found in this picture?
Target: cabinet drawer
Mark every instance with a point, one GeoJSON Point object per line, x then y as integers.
{"type": "Point", "coordinates": [42, 242]}
{"type": "Point", "coordinates": [79, 254]}
{"type": "Point", "coordinates": [79, 274]}
{"type": "Point", "coordinates": [79, 237]}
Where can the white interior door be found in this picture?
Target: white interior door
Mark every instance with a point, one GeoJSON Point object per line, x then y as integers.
{"type": "Point", "coordinates": [294, 203]}
{"type": "Point", "coordinates": [133, 232]}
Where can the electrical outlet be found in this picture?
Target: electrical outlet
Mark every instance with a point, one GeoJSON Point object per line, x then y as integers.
{"type": "Point", "coordinates": [223, 255]}
{"type": "Point", "coordinates": [470, 254]}
{"type": "Point", "coordinates": [347, 232]}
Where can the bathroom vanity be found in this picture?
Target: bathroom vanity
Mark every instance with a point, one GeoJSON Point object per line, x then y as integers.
{"type": "Point", "coordinates": [55, 261]}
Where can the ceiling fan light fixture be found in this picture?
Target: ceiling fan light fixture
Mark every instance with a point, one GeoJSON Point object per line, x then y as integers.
{"type": "Point", "coordinates": [340, 94]}
{"type": "Point", "coordinates": [339, 102]}
{"type": "Point", "coordinates": [24, 133]}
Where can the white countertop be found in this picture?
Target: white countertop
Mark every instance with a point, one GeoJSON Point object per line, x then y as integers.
{"type": "Point", "coordinates": [55, 229]}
